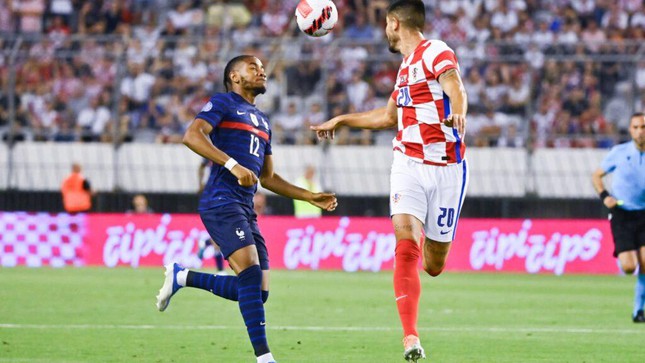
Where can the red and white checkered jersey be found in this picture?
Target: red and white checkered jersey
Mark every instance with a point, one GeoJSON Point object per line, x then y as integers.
{"type": "Point", "coordinates": [422, 105]}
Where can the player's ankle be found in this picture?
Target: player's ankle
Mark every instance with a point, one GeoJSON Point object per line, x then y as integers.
{"type": "Point", "coordinates": [181, 277]}
{"type": "Point", "coordinates": [266, 358]}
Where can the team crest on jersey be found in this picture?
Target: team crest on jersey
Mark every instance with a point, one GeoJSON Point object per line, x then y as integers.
{"type": "Point", "coordinates": [396, 197]}
{"type": "Point", "coordinates": [403, 78]}
{"type": "Point", "coordinates": [240, 234]}
{"type": "Point", "coordinates": [207, 107]}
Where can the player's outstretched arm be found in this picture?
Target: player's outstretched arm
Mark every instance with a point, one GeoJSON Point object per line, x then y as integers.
{"type": "Point", "coordinates": [452, 85]}
{"type": "Point", "coordinates": [275, 183]}
{"type": "Point", "coordinates": [196, 138]}
{"type": "Point", "coordinates": [380, 118]}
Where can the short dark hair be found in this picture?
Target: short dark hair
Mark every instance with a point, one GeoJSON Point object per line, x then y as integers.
{"type": "Point", "coordinates": [411, 13]}
{"type": "Point", "coordinates": [637, 114]}
{"type": "Point", "coordinates": [229, 68]}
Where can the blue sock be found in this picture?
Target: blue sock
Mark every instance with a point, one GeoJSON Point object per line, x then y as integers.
{"type": "Point", "coordinates": [222, 286]}
{"type": "Point", "coordinates": [639, 293]}
{"type": "Point", "coordinates": [219, 261]}
{"type": "Point", "coordinates": [249, 284]}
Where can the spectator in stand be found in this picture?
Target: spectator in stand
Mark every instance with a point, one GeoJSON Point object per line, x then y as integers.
{"type": "Point", "coordinates": [92, 121]}
{"type": "Point", "coordinates": [360, 29]}
{"type": "Point", "coordinates": [7, 24]}
{"type": "Point", "coordinates": [30, 13]}
{"type": "Point", "coordinates": [274, 21]}
{"type": "Point", "coordinates": [314, 117]}
{"type": "Point", "coordinates": [288, 127]}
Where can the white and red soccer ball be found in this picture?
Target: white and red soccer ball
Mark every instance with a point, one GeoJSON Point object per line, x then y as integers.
{"type": "Point", "coordinates": [316, 17]}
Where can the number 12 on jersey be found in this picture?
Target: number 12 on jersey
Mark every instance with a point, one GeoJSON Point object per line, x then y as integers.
{"type": "Point", "coordinates": [254, 146]}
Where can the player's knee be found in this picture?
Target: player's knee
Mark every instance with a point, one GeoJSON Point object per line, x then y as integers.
{"type": "Point", "coordinates": [265, 296]}
{"type": "Point", "coordinates": [628, 268]}
{"type": "Point", "coordinates": [406, 250]}
{"type": "Point", "coordinates": [433, 271]}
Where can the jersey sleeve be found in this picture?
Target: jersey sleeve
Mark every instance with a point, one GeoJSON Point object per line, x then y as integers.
{"type": "Point", "coordinates": [439, 58]}
{"type": "Point", "coordinates": [608, 164]}
{"type": "Point", "coordinates": [213, 111]}
{"type": "Point", "coordinates": [268, 150]}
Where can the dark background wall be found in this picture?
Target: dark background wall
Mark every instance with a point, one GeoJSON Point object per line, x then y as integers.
{"type": "Point", "coordinates": [474, 207]}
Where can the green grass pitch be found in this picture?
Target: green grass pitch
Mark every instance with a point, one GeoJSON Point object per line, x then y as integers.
{"type": "Point", "coordinates": [108, 315]}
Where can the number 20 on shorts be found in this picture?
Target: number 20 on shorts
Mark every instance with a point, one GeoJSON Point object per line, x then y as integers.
{"type": "Point", "coordinates": [446, 218]}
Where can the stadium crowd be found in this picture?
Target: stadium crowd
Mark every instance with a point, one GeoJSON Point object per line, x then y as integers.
{"type": "Point", "coordinates": [539, 73]}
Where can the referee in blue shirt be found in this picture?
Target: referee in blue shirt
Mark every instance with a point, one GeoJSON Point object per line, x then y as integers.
{"type": "Point", "coordinates": [626, 203]}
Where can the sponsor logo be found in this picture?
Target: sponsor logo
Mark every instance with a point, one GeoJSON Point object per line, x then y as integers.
{"type": "Point", "coordinates": [357, 251]}
{"type": "Point", "coordinates": [128, 244]}
{"type": "Point", "coordinates": [240, 112]}
{"type": "Point", "coordinates": [540, 252]}
{"type": "Point", "coordinates": [445, 232]}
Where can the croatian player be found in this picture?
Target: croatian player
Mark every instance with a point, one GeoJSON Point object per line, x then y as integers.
{"type": "Point", "coordinates": [236, 136]}
{"type": "Point", "coordinates": [429, 175]}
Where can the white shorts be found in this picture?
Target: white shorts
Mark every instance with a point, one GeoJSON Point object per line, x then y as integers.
{"type": "Point", "coordinates": [433, 194]}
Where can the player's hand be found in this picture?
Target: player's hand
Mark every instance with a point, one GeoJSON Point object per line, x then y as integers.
{"type": "Point", "coordinates": [610, 202]}
{"type": "Point", "coordinates": [456, 121]}
{"type": "Point", "coordinates": [326, 201]}
{"type": "Point", "coordinates": [326, 129]}
{"type": "Point", "coordinates": [245, 177]}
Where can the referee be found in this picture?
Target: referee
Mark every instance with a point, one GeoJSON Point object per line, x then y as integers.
{"type": "Point", "coordinates": [626, 204]}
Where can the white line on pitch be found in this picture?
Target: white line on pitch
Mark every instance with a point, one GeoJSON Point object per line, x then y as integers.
{"type": "Point", "coordinates": [567, 330]}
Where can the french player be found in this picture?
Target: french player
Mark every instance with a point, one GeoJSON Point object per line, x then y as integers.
{"type": "Point", "coordinates": [429, 177]}
{"type": "Point", "coordinates": [236, 136]}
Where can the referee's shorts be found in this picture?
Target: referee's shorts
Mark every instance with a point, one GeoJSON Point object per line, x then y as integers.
{"type": "Point", "coordinates": [628, 229]}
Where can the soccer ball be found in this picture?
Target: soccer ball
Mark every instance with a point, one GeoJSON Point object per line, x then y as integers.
{"type": "Point", "coordinates": [316, 17]}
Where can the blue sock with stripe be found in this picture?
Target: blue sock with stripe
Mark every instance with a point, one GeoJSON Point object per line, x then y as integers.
{"type": "Point", "coordinates": [249, 284]}
{"type": "Point", "coordinates": [222, 286]}
{"type": "Point", "coordinates": [639, 293]}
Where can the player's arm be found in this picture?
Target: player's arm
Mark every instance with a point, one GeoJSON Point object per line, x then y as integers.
{"type": "Point", "coordinates": [453, 87]}
{"type": "Point", "coordinates": [380, 118]}
{"type": "Point", "coordinates": [275, 183]}
{"type": "Point", "coordinates": [196, 138]}
{"type": "Point", "coordinates": [599, 186]}
{"type": "Point", "coordinates": [200, 176]}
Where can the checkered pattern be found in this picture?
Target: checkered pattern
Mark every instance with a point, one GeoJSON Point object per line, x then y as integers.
{"type": "Point", "coordinates": [41, 239]}
{"type": "Point", "coordinates": [422, 106]}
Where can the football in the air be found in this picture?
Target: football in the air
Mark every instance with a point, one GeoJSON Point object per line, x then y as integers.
{"type": "Point", "coordinates": [316, 17]}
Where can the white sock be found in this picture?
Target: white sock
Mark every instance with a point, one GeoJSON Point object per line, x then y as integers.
{"type": "Point", "coordinates": [181, 277]}
{"type": "Point", "coordinates": [266, 358]}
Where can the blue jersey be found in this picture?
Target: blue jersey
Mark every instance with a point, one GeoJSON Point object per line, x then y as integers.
{"type": "Point", "coordinates": [243, 133]}
{"type": "Point", "coordinates": [627, 164]}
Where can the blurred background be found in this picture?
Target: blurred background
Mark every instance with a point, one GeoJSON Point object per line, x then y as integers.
{"type": "Point", "coordinates": [112, 85]}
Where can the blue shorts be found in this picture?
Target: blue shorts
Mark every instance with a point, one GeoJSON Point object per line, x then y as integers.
{"type": "Point", "coordinates": [234, 226]}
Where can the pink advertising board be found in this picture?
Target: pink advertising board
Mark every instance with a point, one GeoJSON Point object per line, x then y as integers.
{"type": "Point", "coordinates": [339, 243]}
